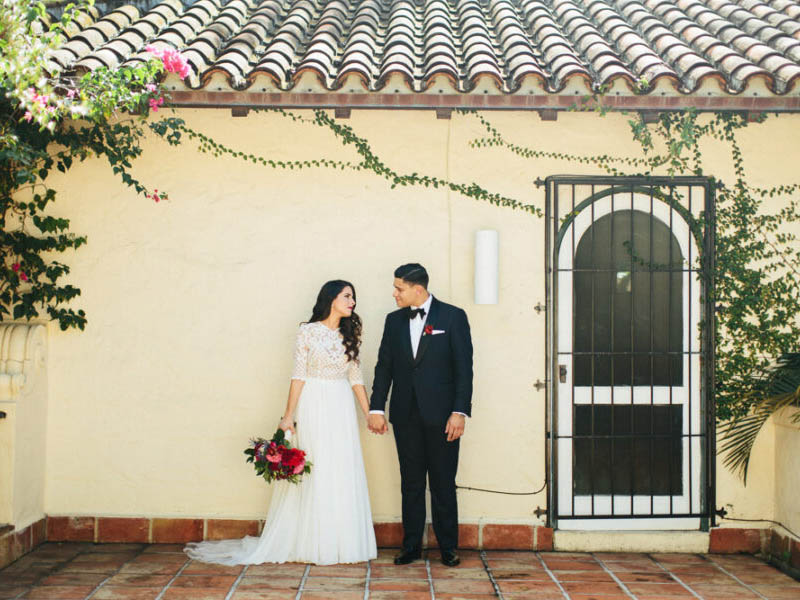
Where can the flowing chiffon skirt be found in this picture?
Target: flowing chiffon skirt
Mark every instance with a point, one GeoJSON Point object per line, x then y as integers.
{"type": "Point", "coordinates": [326, 518]}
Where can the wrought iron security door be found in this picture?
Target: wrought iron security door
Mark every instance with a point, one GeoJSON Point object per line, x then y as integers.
{"type": "Point", "coordinates": [631, 420]}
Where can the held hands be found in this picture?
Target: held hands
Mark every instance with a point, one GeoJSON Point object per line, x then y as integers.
{"type": "Point", "coordinates": [377, 423]}
{"type": "Point", "coordinates": [287, 425]}
{"type": "Point", "coordinates": [455, 427]}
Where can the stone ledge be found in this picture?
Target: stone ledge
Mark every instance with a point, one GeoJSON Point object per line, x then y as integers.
{"type": "Point", "coordinates": [632, 541]}
{"type": "Point", "coordinates": [15, 544]}
{"type": "Point", "coordinates": [497, 536]}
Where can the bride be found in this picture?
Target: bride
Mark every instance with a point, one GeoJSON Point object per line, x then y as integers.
{"type": "Point", "coordinates": [326, 518]}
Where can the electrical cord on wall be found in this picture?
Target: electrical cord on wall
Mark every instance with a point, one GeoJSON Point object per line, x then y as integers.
{"type": "Point", "coordinates": [539, 491]}
{"type": "Point", "coordinates": [763, 521]}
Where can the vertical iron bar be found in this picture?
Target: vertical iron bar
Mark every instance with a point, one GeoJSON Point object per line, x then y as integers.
{"type": "Point", "coordinates": [632, 441]}
{"type": "Point", "coordinates": [548, 378]}
{"type": "Point", "coordinates": [689, 338]}
{"type": "Point", "coordinates": [554, 439]}
{"type": "Point", "coordinates": [571, 375]}
{"type": "Point", "coordinates": [710, 350]}
{"type": "Point", "coordinates": [592, 275]}
{"type": "Point", "coordinates": [652, 363]}
{"type": "Point", "coordinates": [612, 273]}
{"type": "Point", "coordinates": [670, 268]}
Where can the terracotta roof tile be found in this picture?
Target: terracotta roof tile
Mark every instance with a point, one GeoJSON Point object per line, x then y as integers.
{"type": "Point", "coordinates": [471, 46]}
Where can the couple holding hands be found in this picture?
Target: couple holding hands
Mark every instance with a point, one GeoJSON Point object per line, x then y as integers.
{"type": "Point", "coordinates": [425, 358]}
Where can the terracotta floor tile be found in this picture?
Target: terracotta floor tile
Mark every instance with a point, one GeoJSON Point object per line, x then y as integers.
{"type": "Point", "coordinates": [60, 592]}
{"type": "Point", "coordinates": [20, 578]}
{"type": "Point", "coordinates": [393, 595]}
{"type": "Point", "coordinates": [533, 587]}
{"type": "Point", "coordinates": [599, 596]}
{"type": "Point", "coordinates": [88, 568]}
{"type": "Point", "coordinates": [337, 584]}
{"type": "Point", "coordinates": [720, 592]}
{"type": "Point", "coordinates": [92, 579]}
{"type": "Point", "coordinates": [151, 568]}
{"type": "Point", "coordinates": [639, 577]}
{"type": "Point", "coordinates": [399, 585]}
{"type": "Point", "coordinates": [459, 596]}
{"type": "Point", "coordinates": [631, 565]}
{"type": "Point", "coordinates": [164, 548]}
{"type": "Point", "coordinates": [269, 583]}
{"type": "Point", "coordinates": [695, 569]}
{"type": "Point", "coordinates": [772, 577]}
{"type": "Point", "coordinates": [706, 578]}
{"type": "Point", "coordinates": [779, 591]}
{"type": "Point", "coordinates": [462, 586]}
{"type": "Point", "coordinates": [511, 554]}
{"type": "Point", "coordinates": [139, 580]}
{"type": "Point", "coordinates": [458, 573]}
{"type": "Point", "coordinates": [113, 592]}
{"type": "Point", "coordinates": [572, 565]}
{"type": "Point", "coordinates": [399, 571]}
{"type": "Point", "coordinates": [201, 568]}
{"type": "Point", "coordinates": [102, 558]}
{"type": "Point", "coordinates": [618, 556]}
{"type": "Point", "coordinates": [537, 596]}
{"type": "Point", "coordinates": [9, 592]}
{"type": "Point", "coordinates": [510, 563]}
{"type": "Point", "coordinates": [657, 589]}
{"type": "Point", "coordinates": [600, 576]}
{"type": "Point", "coordinates": [281, 570]}
{"type": "Point", "coordinates": [338, 571]}
{"type": "Point", "coordinates": [466, 563]}
{"type": "Point", "coordinates": [175, 593]}
{"type": "Point", "coordinates": [677, 557]}
{"type": "Point", "coordinates": [529, 575]}
{"type": "Point", "coordinates": [205, 581]}
{"type": "Point", "coordinates": [593, 587]}
{"type": "Point", "coordinates": [106, 548]}
{"type": "Point", "coordinates": [340, 595]}
{"type": "Point", "coordinates": [261, 595]}
{"type": "Point", "coordinates": [559, 555]}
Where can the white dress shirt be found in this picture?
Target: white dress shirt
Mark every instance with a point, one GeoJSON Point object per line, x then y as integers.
{"type": "Point", "coordinates": [415, 328]}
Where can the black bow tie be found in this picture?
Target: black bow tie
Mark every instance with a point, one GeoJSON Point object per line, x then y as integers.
{"type": "Point", "coordinates": [416, 311]}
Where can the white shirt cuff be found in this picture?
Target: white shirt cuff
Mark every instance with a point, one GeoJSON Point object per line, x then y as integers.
{"type": "Point", "coordinates": [455, 412]}
{"type": "Point", "coordinates": [377, 412]}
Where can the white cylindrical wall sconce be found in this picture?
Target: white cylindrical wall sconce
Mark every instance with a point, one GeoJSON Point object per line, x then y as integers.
{"type": "Point", "coordinates": [487, 266]}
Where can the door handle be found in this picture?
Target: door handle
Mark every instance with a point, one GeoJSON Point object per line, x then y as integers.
{"type": "Point", "coordinates": [562, 373]}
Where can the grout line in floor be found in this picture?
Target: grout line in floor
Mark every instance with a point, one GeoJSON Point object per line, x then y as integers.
{"type": "Point", "coordinates": [302, 583]}
{"type": "Point", "coordinates": [102, 583]}
{"type": "Point", "coordinates": [488, 570]}
{"type": "Point", "coordinates": [552, 575]}
{"type": "Point", "coordinates": [676, 578]}
{"type": "Point", "coordinates": [430, 579]}
{"type": "Point", "coordinates": [729, 574]}
{"type": "Point", "coordinates": [614, 577]}
{"type": "Point", "coordinates": [236, 583]}
{"type": "Point", "coordinates": [174, 577]}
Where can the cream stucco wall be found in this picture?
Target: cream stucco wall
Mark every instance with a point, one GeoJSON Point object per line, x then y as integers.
{"type": "Point", "coordinates": [787, 470]}
{"type": "Point", "coordinates": [193, 304]}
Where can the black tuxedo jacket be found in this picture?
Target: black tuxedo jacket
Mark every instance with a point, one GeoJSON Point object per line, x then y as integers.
{"type": "Point", "coordinates": [440, 377]}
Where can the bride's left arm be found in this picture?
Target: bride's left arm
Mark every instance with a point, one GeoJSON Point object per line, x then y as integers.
{"type": "Point", "coordinates": [361, 395]}
{"type": "Point", "coordinates": [356, 379]}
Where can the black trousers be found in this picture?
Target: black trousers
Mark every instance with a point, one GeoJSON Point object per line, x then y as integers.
{"type": "Point", "coordinates": [424, 453]}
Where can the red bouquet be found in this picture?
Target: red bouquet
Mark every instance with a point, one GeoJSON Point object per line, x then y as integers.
{"type": "Point", "coordinates": [275, 459]}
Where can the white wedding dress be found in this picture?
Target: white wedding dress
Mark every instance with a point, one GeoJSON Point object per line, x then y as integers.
{"type": "Point", "coordinates": [326, 518]}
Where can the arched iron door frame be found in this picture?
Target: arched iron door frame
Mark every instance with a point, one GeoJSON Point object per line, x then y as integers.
{"type": "Point", "coordinates": [703, 231]}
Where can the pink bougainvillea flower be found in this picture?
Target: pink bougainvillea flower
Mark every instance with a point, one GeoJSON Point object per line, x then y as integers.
{"type": "Point", "coordinates": [150, 87]}
{"type": "Point", "coordinates": [172, 59]}
{"type": "Point", "coordinates": [155, 103]}
{"type": "Point", "coordinates": [23, 276]}
{"type": "Point", "coordinates": [15, 267]}
{"type": "Point", "coordinates": [28, 116]}
{"type": "Point", "coordinates": [71, 93]}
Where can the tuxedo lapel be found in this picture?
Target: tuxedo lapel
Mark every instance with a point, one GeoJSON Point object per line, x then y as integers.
{"type": "Point", "coordinates": [424, 340]}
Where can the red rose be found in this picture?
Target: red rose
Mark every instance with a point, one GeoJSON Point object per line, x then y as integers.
{"type": "Point", "coordinates": [293, 458]}
{"type": "Point", "coordinates": [428, 329]}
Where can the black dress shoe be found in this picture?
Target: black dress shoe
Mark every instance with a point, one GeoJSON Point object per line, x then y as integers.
{"type": "Point", "coordinates": [407, 556]}
{"type": "Point", "coordinates": [450, 558]}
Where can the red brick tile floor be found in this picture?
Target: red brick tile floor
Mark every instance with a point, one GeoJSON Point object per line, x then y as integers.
{"type": "Point", "coordinates": [162, 571]}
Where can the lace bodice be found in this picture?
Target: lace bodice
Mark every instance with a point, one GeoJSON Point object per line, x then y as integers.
{"type": "Point", "coordinates": [319, 354]}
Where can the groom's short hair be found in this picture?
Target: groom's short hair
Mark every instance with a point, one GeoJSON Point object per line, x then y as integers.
{"type": "Point", "coordinates": [413, 273]}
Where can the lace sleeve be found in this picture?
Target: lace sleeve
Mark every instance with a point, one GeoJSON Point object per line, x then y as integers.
{"type": "Point", "coordinates": [300, 355]}
{"type": "Point", "coordinates": [354, 375]}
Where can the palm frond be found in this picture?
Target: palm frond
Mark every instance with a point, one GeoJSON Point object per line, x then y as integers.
{"type": "Point", "coordinates": [780, 389]}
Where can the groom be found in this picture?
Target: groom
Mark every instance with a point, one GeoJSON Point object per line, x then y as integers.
{"type": "Point", "coordinates": [426, 358]}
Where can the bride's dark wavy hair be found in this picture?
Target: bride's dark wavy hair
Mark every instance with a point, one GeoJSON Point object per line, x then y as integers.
{"type": "Point", "coordinates": [349, 327]}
